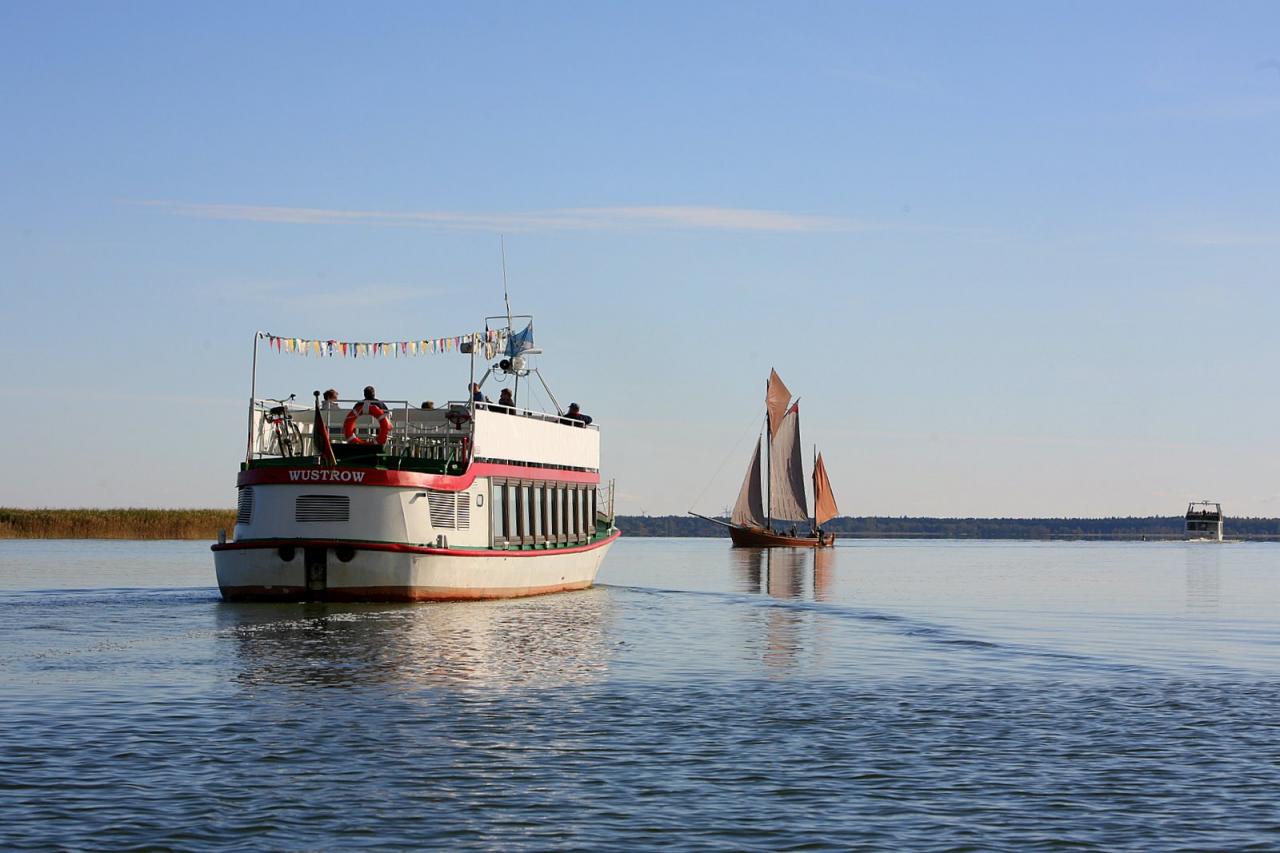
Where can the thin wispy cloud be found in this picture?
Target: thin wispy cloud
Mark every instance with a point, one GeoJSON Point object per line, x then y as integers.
{"type": "Point", "coordinates": [1272, 65]}
{"type": "Point", "coordinates": [310, 298]}
{"type": "Point", "coordinates": [1230, 238]}
{"type": "Point", "coordinates": [674, 217]}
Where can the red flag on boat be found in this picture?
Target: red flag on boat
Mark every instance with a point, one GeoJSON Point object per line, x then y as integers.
{"type": "Point", "coordinates": [320, 437]}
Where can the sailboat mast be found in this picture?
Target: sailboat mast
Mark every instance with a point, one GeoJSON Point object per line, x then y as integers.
{"type": "Point", "coordinates": [768, 460]}
{"type": "Point", "coordinates": [815, 486]}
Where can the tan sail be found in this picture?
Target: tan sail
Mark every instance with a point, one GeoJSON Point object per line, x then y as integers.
{"type": "Point", "coordinates": [786, 471]}
{"type": "Point", "coordinates": [776, 397]}
{"type": "Point", "coordinates": [824, 502]}
{"type": "Point", "coordinates": [749, 510]}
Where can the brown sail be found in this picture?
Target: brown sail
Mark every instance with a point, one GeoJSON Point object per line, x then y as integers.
{"type": "Point", "coordinates": [786, 471]}
{"type": "Point", "coordinates": [776, 397]}
{"type": "Point", "coordinates": [749, 510]}
{"type": "Point", "coordinates": [824, 502]}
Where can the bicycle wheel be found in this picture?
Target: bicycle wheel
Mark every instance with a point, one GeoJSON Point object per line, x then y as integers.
{"type": "Point", "coordinates": [277, 445]}
{"type": "Point", "coordinates": [293, 440]}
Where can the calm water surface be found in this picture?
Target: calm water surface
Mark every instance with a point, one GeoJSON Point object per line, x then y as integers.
{"type": "Point", "coordinates": [918, 695]}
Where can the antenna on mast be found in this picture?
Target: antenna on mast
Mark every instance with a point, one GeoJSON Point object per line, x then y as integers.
{"type": "Point", "coordinates": [502, 246]}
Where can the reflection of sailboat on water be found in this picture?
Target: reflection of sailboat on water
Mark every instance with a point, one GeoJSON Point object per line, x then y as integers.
{"type": "Point", "coordinates": [753, 520]}
{"type": "Point", "coordinates": [781, 632]}
{"type": "Point", "coordinates": [781, 574]}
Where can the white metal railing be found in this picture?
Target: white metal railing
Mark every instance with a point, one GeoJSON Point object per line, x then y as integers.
{"type": "Point", "coordinates": [283, 428]}
{"type": "Point", "coordinates": [539, 416]}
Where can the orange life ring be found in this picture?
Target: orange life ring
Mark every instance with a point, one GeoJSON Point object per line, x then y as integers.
{"type": "Point", "coordinates": [373, 410]}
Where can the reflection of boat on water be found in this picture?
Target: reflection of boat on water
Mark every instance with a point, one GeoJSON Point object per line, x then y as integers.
{"type": "Point", "coordinates": [770, 520]}
{"type": "Point", "coordinates": [473, 500]}
{"type": "Point", "coordinates": [1204, 521]}
{"type": "Point", "coordinates": [548, 641]}
{"type": "Point", "coordinates": [782, 573]}
{"type": "Point", "coordinates": [824, 561]}
{"type": "Point", "coordinates": [783, 633]}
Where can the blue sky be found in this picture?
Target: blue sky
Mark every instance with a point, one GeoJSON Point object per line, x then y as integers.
{"type": "Point", "coordinates": [1017, 259]}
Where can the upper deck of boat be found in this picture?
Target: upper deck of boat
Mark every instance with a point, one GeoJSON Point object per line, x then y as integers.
{"type": "Point", "coordinates": [435, 441]}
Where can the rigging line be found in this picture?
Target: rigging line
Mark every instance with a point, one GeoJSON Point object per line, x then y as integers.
{"type": "Point", "coordinates": [502, 247]}
{"type": "Point", "coordinates": [732, 450]}
{"type": "Point", "coordinates": [537, 399]}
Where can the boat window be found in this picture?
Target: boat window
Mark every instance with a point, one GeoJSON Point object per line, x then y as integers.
{"type": "Point", "coordinates": [497, 507]}
{"type": "Point", "coordinates": [579, 497]}
{"type": "Point", "coordinates": [535, 514]}
{"type": "Point", "coordinates": [544, 511]}
{"type": "Point", "coordinates": [508, 512]}
{"type": "Point", "coordinates": [528, 512]}
{"type": "Point", "coordinates": [522, 501]}
{"type": "Point", "coordinates": [565, 517]}
{"type": "Point", "coordinates": [554, 517]}
{"type": "Point", "coordinates": [577, 513]}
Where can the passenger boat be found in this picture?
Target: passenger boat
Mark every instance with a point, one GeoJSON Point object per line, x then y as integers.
{"type": "Point", "coordinates": [1204, 521]}
{"type": "Point", "coordinates": [384, 501]}
{"type": "Point", "coordinates": [771, 521]}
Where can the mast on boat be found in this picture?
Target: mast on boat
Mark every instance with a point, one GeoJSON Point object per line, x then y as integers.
{"type": "Point", "coordinates": [768, 456]}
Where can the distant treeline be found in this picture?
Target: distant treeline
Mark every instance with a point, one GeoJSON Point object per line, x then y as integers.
{"type": "Point", "coordinates": [879, 527]}
{"type": "Point", "coordinates": [205, 524]}
{"type": "Point", "coordinates": [115, 523]}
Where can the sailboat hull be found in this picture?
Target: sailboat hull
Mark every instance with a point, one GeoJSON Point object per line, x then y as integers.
{"type": "Point", "coordinates": [757, 537]}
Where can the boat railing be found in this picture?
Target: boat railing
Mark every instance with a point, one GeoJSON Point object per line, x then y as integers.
{"type": "Point", "coordinates": [535, 415]}
{"type": "Point", "coordinates": [437, 434]}
{"type": "Point", "coordinates": [1204, 511]}
{"type": "Point", "coordinates": [605, 494]}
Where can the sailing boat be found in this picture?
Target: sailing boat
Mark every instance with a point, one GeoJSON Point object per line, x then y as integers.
{"type": "Point", "coordinates": [771, 521]}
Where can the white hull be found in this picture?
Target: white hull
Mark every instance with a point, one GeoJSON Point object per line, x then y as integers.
{"type": "Point", "coordinates": [261, 573]}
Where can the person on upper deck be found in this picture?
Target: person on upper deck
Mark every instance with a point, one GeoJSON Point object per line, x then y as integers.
{"type": "Point", "coordinates": [476, 396]}
{"type": "Point", "coordinates": [506, 403]}
{"type": "Point", "coordinates": [575, 416]}
{"type": "Point", "coordinates": [371, 399]}
{"type": "Point", "coordinates": [428, 404]}
{"type": "Point", "coordinates": [330, 400]}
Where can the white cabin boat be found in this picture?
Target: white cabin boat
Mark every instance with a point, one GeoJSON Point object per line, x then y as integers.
{"type": "Point", "coordinates": [468, 501]}
{"type": "Point", "coordinates": [1204, 521]}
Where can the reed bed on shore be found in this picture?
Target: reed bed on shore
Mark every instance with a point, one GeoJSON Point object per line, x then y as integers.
{"type": "Point", "coordinates": [115, 523]}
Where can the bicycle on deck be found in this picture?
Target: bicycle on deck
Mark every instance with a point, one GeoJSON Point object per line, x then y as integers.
{"type": "Point", "coordinates": [286, 438]}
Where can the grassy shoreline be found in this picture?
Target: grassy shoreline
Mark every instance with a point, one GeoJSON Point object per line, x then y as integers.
{"type": "Point", "coordinates": [115, 523]}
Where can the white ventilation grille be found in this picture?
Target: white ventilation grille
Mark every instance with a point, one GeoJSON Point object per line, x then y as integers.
{"type": "Point", "coordinates": [441, 505]}
{"type": "Point", "coordinates": [244, 505]}
{"type": "Point", "coordinates": [450, 510]}
{"type": "Point", "coordinates": [322, 508]}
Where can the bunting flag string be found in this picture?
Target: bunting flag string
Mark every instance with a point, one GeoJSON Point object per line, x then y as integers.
{"type": "Point", "coordinates": [487, 342]}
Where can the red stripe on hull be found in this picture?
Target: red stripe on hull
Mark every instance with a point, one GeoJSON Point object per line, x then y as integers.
{"type": "Point", "coordinates": [392, 593]}
{"type": "Point", "coordinates": [355, 544]}
{"type": "Point", "coordinates": [345, 476]}
{"type": "Point", "coordinates": [755, 538]}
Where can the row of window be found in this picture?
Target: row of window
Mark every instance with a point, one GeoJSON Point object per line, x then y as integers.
{"type": "Point", "coordinates": [525, 512]}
